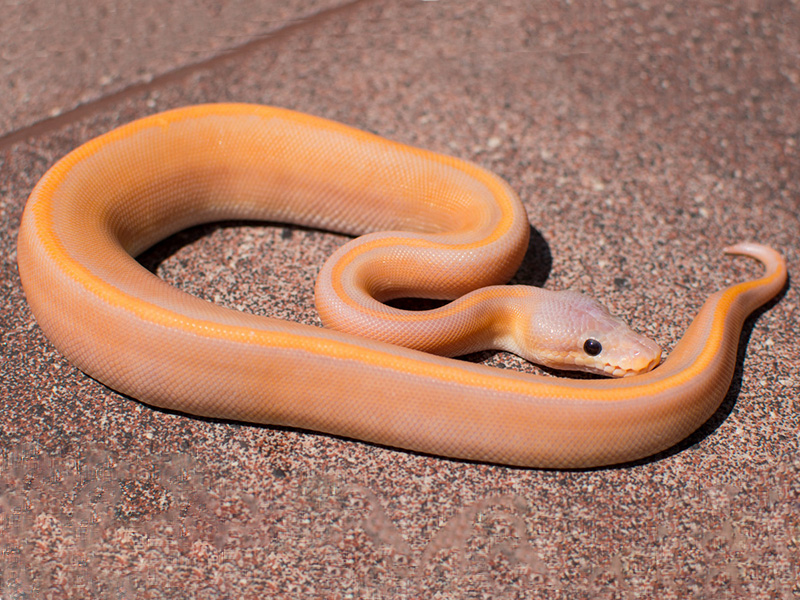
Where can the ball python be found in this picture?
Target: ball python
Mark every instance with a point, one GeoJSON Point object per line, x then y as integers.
{"type": "Point", "coordinates": [428, 225]}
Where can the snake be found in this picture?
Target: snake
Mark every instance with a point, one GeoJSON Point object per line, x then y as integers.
{"type": "Point", "coordinates": [424, 225]}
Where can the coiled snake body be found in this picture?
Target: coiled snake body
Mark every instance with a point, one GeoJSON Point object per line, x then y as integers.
{"type": "Point", "coordinates": [453, 228]}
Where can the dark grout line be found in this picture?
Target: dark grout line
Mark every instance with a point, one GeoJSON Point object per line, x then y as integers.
{"type": "Point", "coordinates": [81, 111]}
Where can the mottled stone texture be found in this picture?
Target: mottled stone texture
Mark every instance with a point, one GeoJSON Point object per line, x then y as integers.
{"type": "Point", "coordinates": [643, 137]}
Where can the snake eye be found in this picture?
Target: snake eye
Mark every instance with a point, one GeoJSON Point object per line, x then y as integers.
{"type": "Point", "coordinates": [592, 347]}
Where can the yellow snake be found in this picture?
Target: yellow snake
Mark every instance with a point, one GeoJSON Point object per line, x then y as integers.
{"type": "Point", "coordinates": [435, 227]}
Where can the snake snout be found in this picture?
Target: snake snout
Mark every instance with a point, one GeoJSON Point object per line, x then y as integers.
{"type": "Point", "coordinates": [643, 355]}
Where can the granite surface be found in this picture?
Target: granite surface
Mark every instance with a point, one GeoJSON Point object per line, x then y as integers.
{"type": "Point", "coordinates": [643, 137]}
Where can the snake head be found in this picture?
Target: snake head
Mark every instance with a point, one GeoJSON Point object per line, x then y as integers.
{"type": "Point", "coordinates": [567, 330]}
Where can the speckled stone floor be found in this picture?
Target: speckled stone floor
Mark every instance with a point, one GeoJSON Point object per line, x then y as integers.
{"type": "Point", "coordinates": [643, 138]}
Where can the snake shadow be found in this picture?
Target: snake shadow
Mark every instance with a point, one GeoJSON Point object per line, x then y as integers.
{"type": "Point", "coordinates": [537, 263]}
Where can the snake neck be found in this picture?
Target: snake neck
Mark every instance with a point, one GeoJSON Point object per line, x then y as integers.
{"type": "Point", "coordinates": [549, 328]}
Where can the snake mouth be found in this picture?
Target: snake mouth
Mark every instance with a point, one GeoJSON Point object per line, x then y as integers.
{"type": "Point", "coordinates": [610, 370]}
{"type": "Point", "coordinates": [638, 369]}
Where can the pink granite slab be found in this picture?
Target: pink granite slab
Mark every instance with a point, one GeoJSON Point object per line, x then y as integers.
{"type": "Point", "coordinates": [643, 138]}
